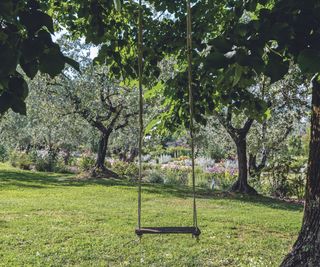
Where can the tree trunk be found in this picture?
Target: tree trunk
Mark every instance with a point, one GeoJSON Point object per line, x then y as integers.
{"type": "Point", "coordinates": [255, 170]}
{"type": "Point", "coordinates": [100, 169]}
{"type": "Point", "coordinates": [306, 250]}
{"type": "Point", "coordinates": [133, 154]}
{"type": "Point", "coordinates": [241, 185]}
{"type": "Point", "coordinates": [52, 157]}
{"type": "Point", "coordinates": [66, 157]}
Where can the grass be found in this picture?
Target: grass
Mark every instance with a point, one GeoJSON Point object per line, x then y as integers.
{"type": "Point", "coordinates": [55, 220]}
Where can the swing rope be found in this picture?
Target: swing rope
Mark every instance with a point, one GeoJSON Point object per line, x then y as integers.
{"type": "Point", "coordinates": [195, 231]}
{"type": "Point", "coordinates": [141, 130]}
{"type": "Point", "coordinates": [191, 107]}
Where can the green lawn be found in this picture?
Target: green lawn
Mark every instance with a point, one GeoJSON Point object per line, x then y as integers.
{"type": "Point", "coordinates": [55, 220]}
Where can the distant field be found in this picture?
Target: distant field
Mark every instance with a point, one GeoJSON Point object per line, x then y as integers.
{"type": "Point", "coordinates": [55, 220]}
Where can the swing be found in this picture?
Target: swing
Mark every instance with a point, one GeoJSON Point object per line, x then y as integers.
{"type": "Point", "coordinates": [193, 230]}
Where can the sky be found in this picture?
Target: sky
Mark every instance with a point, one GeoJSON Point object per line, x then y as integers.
{"type": "Point", "coordinates": [93, 50]}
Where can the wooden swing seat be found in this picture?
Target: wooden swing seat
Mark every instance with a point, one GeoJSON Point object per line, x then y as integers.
{"type": "Point", "coordinates": [195, 231]}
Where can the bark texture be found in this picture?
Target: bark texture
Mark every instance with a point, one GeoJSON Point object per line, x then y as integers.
{"type": "Point", "coordinates": [239, 136]}
{"type": "Point", "coordinates": [99, 169]}
{"type": "Point", "coordinates": [306, 250]}
{"type": "Point", "coordinates": [241, 185]}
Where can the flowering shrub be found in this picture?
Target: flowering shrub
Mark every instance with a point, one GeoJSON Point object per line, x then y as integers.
{"type": "Point", "coordinates": [21, 160]}
{"type": "Point", "coordinates": [125, 169]}
{"type": "Point", "coordinates": [204, 162]}
{"type": "Point", "coordinates": [175, 167]}
{"type": "Point", "coordinates": [155, 177]}
{"type": "Point", "coordinates": [164, 159]}
{"type": "Point", "coordinates": [217, 169]}
{"type": "Point", "coordinates": [86, 162]}
{"type": "Point", "coordinates": [176, 177]}
{"type": "Point", "coordinates": [224, 174]}
{"type": "Point", "coordinates": [182, 158]}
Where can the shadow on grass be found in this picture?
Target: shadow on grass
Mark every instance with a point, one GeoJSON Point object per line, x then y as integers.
{"type": "Point", "coordinates": [36, 180]}
{"type": "Point", "coordinates": [3, 224]}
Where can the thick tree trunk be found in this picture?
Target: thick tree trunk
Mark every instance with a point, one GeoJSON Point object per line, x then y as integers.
{"type": "Point", "coordinates": [100, 169]}
{"type": "Point", "coordinates": [102, 151]}
{"type": "Point", "coordinates": [306, 250]}
{"type": "Point", "coordinates": [241, 185]}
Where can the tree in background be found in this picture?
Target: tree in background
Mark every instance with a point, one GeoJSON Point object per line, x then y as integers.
{"type": "Point", "coordinates": [213, 142]}
{"type": "Point", "coordinates": [104, 105]}
{"type": "Point", "coordinates": [288, 101]}
{"type": "Point", "coordinates": [45, 128]}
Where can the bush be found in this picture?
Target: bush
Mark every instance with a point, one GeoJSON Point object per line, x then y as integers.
{"type": "Point", "coordinates": [46, 161]}
{"type": "Point", "coordinates": [20, 160]}
{"type": "Point", "coordinates": [203, 184]}
{"type": "Point", "coordinates": [176, 177]}
{"type": "Point", "coordinates": [125, 169]}
{"type": "Point", "coordinates": [203, 179]}
{"type": "Point", "coordinates": [227, 180]}
{"type": "Point", "coordinates": [3, 154]}
{"type": "Point", "coordinates": [41, 165]}
{"type": "Point", "coordinates": [61, 167]}
{"type": "Point", "coordinates": [86, 162]}
{"type": "Point", "coordinates": [155, 177]}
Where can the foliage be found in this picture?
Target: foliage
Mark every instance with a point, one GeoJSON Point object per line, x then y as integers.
{"type": "Point", "coordinates": [287, 170]}
{"type": "Point", "coordinates": [155, 177]}
{"type": "Point", "coordinates": [164, 159]}
{"type": "Point", "coordinates": [178, 151]}
{"type": "Point", "coordinates": [203, 178]}
{"type": "Point", "coordinates": [125, 169]}
{"type": "Point", "coordinates": [43, 161]}
{"type": "Point", "coordinates": [3, 154]}
{"type": "Point", "coordinates": [176, 177]}
{"type": "Point", "coordinates": [280, 174]}
{"type": "Point", "coordinates": [21, 160]}
{"type": "Point", "coordinates": [43, 130]}
{"type": "Point", "coordinates": [213, 142]}
{"type": "Point", "coordinates": [43, 164]}
{"type": "Point", "coordinates": [86, 162]}
{"type": "Point", "coordinates": [26, 43]}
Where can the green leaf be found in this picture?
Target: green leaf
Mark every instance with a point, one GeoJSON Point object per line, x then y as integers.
{"type": "Point", "coordinates": [276, 67]}
{"type": "Point", "coordinates": [6, 8]}
{"type": "Point", "coordinates": [19, 106]}
{"type": "Point", "coordinates": [36, 20]}
{"type": "Point", "coordinates": [263, 2]}
{"type": "Point", "coordinates": [221, 44]}
{"type": "Point", "coordinates": [52, 62]}
{"type": "Point", "coordinates": [237, 74]}
{"type": "Point", "coordinates": [8, 59]}
{"type": "Point", "coordinates": [267, 114]}
{"type": "Point", "coordinates": [4, 84]}
{"type": "Point", "coordinates": [15, 95]}
{"type": "Point", "coordinates": [152, 125]}
{"type": "Point", "coordinates": [74, 64]}
{"type": "Point", "coordinates": [31, 49]}
{"type": "Point", "coordinates": [216, 60]}
{"type": "Point", "coordinates": [18, 87]}
{"type": "Point", "coordinates": [30, 68]}
{"type": "Point", "coordinates": [5, 102]}
{"type": "Point", "coordinates": [241, 29]}
{"type": "Point", "coordinates": [309, 61]}
{"type": "Point", "coordinates": [117, 4]}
